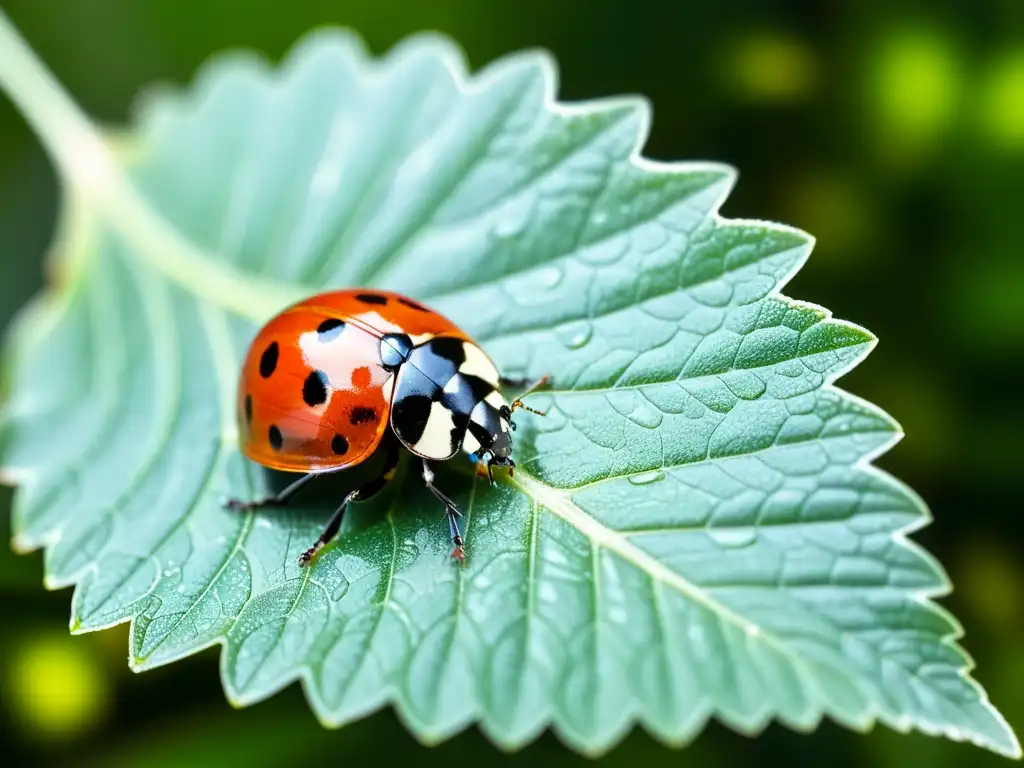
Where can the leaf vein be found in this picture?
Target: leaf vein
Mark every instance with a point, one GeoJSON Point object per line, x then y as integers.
{"type": "Point", "coordinates": [527, 265]}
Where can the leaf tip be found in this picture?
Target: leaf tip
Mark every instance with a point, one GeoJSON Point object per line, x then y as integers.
{"type": "Point", "coordinates": [1001, 739]}
{"type": "Point", "coordinates": [992, 731]}
{"type": "Point", "coordinates": [429, 44]}
{"type": "Point", "coordinates": [1014, 752]}
{"type": "Point", "coordinates": [51, 584]}
{"type": "Point", "coordinates": [9, 476]}
{"type": "Point", "coordinates": [159, 99]}
{"type": "Point", "coordinates": [138, 663]}
{"type": "Point", "coordinates": [1011, 748]}
{"type": "Point", "coordinates": [22, 545]}
{"type": "Point", "coordinates": [338, 38]}
{"type": "Point", "coordinates": [536, 66]}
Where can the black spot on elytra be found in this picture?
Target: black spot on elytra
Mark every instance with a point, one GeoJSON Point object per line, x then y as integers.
{"type": "Point", "coordinates": [410, 417]}
{"type": "Point", "coordinates": [276, 440]}
{"type": "Point", "coordinates": [412, 304]}
{"type": "Point", "coordinates": [330, 329]}
{"type": "Point", "coordinates": [314, 389]}
{"type": "Point", "coordinates": [339, 445]}
{"type": "Point", "coordinates": [248, 409]}
{"type": "Point", "coordinates": [268, 360]}
{"type": "Point", "coordinates": [372, 298]}
{"type": "Point", "coordinates": [361, 415]}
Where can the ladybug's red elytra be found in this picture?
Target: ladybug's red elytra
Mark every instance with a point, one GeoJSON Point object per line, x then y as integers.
{"type": "Point", "coordinates": [332, 378]}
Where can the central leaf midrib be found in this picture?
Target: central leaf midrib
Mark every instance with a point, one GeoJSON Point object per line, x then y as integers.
{"type": "Point", "coordinates": [560, 504]}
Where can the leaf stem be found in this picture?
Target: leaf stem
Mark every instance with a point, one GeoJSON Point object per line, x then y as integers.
{"type": "Point", "coordinates": [82, 158]}
{"type": "Point", "coordinates": [85, 161]}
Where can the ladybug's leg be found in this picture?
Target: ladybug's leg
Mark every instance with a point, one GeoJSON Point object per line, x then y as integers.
{"type": "Point", "coordinates": [451, 512]}
{"type": "Point", "coordinates": [330, 530]}
{"type": "Point", "coordinates": [278, 500]}
{"type": "Point", "coordinates": [362, 493]}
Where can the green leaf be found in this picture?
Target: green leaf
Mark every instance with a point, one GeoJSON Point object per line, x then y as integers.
{"type": "Point", "coordinates": [694, 529]}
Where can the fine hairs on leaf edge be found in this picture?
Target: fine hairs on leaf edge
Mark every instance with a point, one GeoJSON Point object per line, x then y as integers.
{"type": "Point", "coordinates": [453, 58]}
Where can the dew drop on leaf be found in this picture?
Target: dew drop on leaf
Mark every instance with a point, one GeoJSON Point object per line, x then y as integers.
{"type": "Point", "coordinates": [733, 538]}
{"type": "Point", "coordinates": [535, 289]}
{"type": "Point", "coordinates": [340, 589]}
{"type": "Point", "coordinates": [512, 223]}
{"type": "Point", "coordinates": [646, 478]}
{"type": "Point", "coordinates": [575, 335]}
{"type": "Point", "coordinates": [482, 582]}
{"type": "Point", "coordinates": [618, 615]}
{"type": "Point", "coordinates": [548, 277]}
{"type": "Point", "coordinates": [645, 415]}
{"type": "Point", "coordinates": [547, 593]}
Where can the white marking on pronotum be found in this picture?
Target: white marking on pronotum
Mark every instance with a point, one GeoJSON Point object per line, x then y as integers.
{"type": "Point", "coordinates": [477, 364]}
{"type": "Point", "coordinates": [495, 400]}
{"type": "Point", "coordinates": [436, 440]}
{"type": "Point", "coordinates": [470, 444]}
{"type": "Point", "coordinates": [419, 338]}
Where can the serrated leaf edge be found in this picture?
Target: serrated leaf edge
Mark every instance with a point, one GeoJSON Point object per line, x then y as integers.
{"type": "Point", "coordinates": [181, 256]}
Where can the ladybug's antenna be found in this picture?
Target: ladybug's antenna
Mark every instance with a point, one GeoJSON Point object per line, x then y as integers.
{"type": "Point", "coordinates": [518, 402]}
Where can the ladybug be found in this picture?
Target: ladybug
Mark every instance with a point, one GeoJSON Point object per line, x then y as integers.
{"type": "Point", "coordinates": [334, 377]}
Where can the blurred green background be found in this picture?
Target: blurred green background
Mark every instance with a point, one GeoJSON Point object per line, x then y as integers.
{"type": "Point", "coordinates": [893, 131]}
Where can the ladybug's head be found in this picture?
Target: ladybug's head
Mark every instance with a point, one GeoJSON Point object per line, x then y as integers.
{"type": "Point", "coordinates": [495, 435]}
{"type": "Point", "coordinates": [499, 443]}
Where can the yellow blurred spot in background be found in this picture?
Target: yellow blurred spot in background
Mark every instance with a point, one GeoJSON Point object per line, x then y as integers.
{"type": "Point", "coordinates": [991, 581]}
{"type": "Point", "coordinates": [55, 687]}
{"type": "Point", "coordinates": [991, 291]}
{"type": "Point", "coordinates": [914, 398]}
{"type": "Point", "coordinates": [112, 643]}
{"type": "Point", "coordinates": [770, 67]}
{"type": "Point", "coordinates": [834, 208]}
{"type": "Point", "coordinates": [1002, 102]}
{"type": "Point", "coordinates": [913, 91]}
